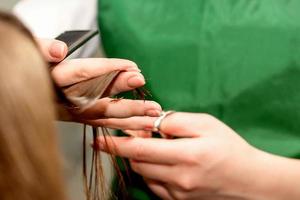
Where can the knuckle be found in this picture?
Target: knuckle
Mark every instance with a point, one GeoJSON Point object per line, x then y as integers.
{"type": "Point", "coordinates": [178, 195]}
{"type": "Point", "coordinates": [207, 117]}
{"type": "Point", "coordinates": [135, 167]}
{"type": "Point", "coordinates": [122, 62]}
{"type": "Point", "coordinates": [193, 155]}
{"type": "Point", "coordinates": [191, 158]}
{"type": "Point", "coordinates": [139, 152]}
{"type": "Point", "coordinates": [119, 87]}
{"type": "Point", "coordinates": [82, 74]}
{"type": "Point", "coordinates": [58, 77]}
{"type": "Point", "coordinates": [103, 122]}
{"type": "Point", "coordinates": [207, 121]}
{"type": "Point", "coordinates": [131, 63]}
{"type": "Point", "coordinates": [111, 62]}
{"type": "Point", "coordinates": [186, 182]}
{"type": "Point", "coordinates": [155, 105]}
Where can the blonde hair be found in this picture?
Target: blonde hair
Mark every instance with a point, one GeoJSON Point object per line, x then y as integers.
{"type": "Point", "coordinates": [29, 159]}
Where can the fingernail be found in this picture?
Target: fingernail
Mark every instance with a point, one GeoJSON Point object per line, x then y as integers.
{"type": "Point", "coordinates": [153, 113]}
{"type": "Point", "coordinates": [57, 49]}
{"type": "Point", "coordinates": [136, 81]}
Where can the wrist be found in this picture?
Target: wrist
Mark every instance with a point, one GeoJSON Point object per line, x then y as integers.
{"type": "Point", "coordinates": [269, 176]}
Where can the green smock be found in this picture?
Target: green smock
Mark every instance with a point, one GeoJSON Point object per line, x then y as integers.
{"type": "Point", "coordinates": [238, 60]}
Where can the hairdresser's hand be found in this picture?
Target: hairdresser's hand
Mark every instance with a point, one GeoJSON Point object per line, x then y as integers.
{"type": "Point", "coordinates": [76, 70]}
{"type": "Point", "coordinates": [105, 111]}
{"type": "Point", "coordinates": [207, 161]}
{"type": "Point", "coordinates": [52, 50]}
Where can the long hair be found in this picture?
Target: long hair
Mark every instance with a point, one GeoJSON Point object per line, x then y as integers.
{"type": "Point", "coordinates": [30, 167]}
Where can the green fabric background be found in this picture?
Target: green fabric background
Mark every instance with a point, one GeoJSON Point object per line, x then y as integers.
{"type": "Point", "coordinates": [236, 59]}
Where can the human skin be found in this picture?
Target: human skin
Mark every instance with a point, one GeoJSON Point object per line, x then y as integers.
{"type": "Point", "coordinates": [104, 111]}
{"type": "Point", "coordinates": [208, 160]}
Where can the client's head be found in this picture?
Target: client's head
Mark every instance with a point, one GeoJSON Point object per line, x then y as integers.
{"type": "Point", "coordinates": [29, 159]}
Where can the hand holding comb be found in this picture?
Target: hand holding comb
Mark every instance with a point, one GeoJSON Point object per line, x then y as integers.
{"type": "Point", "coordinates": [84, 94]}
{"type": "Point", "coordinates": [81, 96]}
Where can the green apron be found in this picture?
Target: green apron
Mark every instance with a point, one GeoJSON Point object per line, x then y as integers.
{"type": "Point", "coordinates": [238, 60]}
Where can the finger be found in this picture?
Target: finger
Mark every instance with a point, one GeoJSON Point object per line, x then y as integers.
{"type": "Point", "coordinates": [159, 189]}
{"type": "Point", "coordinates": [126, 81]}
{"type": "Point", "coordinates": [138, 133]}
{"type": "Point", "coordinates": [133, 123]}
{"type": "Point", "coordinates": [186, 124]}
{"type": "Point", "coordinates": [53, 50]}
{"type": "Point", "coordinates": [152, 150]}
{"type": "Point", "coordinates": [76, 70]}
{"type": "Point", "coordinates": [157, 172]}
{"type": "Point", "coordinates": [122, 108]}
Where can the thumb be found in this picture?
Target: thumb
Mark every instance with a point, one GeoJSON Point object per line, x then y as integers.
{"type": "Point", "coordinates": [53, 50]}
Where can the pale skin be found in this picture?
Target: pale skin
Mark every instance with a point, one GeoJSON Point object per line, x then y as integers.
{"type": "Point", "coordinates": [105, 111]}
{"type": "Point", "coordinates": [208, 161]}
